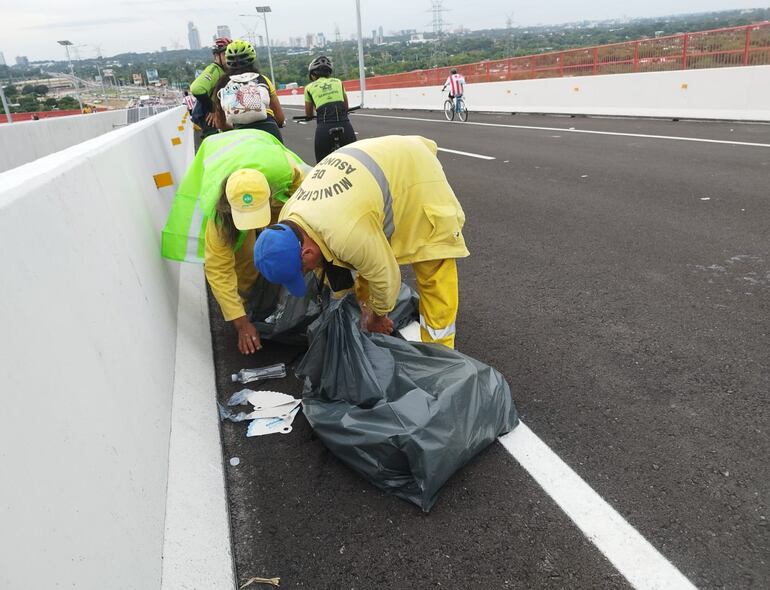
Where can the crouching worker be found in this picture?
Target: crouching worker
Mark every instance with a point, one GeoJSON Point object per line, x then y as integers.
{"type": "Point", "coordinates": [236, 185]}
{"type": "Point", "coordinates": [370, 207]}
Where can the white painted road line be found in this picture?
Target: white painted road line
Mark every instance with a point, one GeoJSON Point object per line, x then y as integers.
{"type": "Point", "coordinates": [466, 154]}
{"type": "Point", "coordinates": [633, 556]}
{"type": "Point", "coordinates": [586, 131]}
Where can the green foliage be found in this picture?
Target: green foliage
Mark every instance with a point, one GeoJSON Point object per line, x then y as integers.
{"type": "Point", "coordinates": [10, 91]}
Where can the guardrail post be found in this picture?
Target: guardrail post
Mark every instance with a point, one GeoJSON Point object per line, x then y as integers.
{"type": "Point", "coordinates": [596, 60]}
{"type": "Point", "coordinates": [635, 67]}
{"type": "Point", "coordinates": [746, 47]}
{"type": "Point", "coordinates": [534, 64]}
{"type": "Point", "coordinates": [685, 46]}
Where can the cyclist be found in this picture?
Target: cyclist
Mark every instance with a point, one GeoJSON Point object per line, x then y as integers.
{"type": "Point", "coordinates": [245, 98]}
{"type": "Point", "coordinates": [456, 84]}
{"type": "Point", "coordinates": [203, 87]}
{"type": "Point", "coordinates": [327, 97]}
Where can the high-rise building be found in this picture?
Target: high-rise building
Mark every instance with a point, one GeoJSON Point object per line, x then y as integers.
{"type": "Point", "coordinates": [309, 41]}
{"type": "Point", "coordinates": [192, 36]}
{"type": "Point", "coordinates": [382, 37]}
{"type": "Point", "coordinates": [224, 31]}
{"type": "Point", "coordinates": [21, 60]}
{"type": "Point", "coordinates": [2, 59]}
{"type": "Point", "coordinates": [320, 40]}
{"type": "Point", "coordinates": [374, 36]}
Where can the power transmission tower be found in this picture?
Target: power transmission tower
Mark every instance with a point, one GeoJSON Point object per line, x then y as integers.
{"type": "Point", "coordinates": [438, 10]}
{"type": "Point", "coordinates": [509, 44]}
{"type": "Point", "coordinates": [339, 51]}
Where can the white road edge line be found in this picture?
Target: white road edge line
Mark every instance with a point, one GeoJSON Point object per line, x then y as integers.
{"type": "Point", "coordinates": [466, 154]}
{"type": "Point", "coordinates": [562, 130]}
{"type": "Point", "coordinates": [633, 556]}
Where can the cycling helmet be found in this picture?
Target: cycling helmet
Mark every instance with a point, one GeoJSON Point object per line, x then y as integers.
{"type": "Point", "coordinates": [320, 65]}
{"type": "Point", "coordinates": [454, 70]}
{"type": "Point", "coordinates": [239, 54]}
{"type": "Point", "coordinates": [220, 45]}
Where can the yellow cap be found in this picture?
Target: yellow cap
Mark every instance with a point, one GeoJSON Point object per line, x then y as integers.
{"type": "Point", "coordinates": [248, 193]}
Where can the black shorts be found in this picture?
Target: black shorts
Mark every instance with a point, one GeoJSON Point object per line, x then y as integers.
{"type": "Point", "coordinates": [323, 141]}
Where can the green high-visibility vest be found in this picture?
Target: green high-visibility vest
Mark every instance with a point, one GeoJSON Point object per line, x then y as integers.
{"type": "Point", "coordinates": [220, 155]}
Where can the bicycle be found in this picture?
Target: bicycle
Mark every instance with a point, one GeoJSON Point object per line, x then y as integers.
{"type": "Point", "coordinates": [335, 133]}
{"type": "Point", "coordinates": [450, 110]}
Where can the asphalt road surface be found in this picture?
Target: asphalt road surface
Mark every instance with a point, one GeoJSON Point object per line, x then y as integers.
{"type": "Point", "coordinates": [620, 282]}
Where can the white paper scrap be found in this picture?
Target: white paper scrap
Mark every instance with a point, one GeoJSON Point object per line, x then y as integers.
{"type": "Point", "coordinates": [268, 399]}
{"type": "Point", "coordinates": [281, 411]}
{"type": "Point", "coordinates": [262, 426]}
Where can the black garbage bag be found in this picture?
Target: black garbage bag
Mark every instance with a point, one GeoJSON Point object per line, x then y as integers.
{"type": "Point", "coordinates": [280, 316]}
{"type": "Point", "coordinates": [404, 415]}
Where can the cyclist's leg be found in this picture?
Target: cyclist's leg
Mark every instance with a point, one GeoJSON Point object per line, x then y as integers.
{"type": "Point", "coordinates": [323, 141]}
{"type": "Point", "coordinates": [458, 100]}
{"type": "Point", "coordinates": [349, 136]}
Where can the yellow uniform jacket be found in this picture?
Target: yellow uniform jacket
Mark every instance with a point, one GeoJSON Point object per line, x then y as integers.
{"type": "Point", "coordinates": [378, 203]}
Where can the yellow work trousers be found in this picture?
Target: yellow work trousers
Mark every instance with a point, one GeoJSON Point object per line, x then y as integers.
{"type": "Point", "coordinates": [437, 286]}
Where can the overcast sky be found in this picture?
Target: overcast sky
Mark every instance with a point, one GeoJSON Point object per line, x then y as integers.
{"type": "Point", "coordinates": [32, 27]}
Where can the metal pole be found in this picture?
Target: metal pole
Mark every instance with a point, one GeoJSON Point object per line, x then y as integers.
{"type": "Point", "coordinates": [269, 55]}
{"type": "Point", "coordinates": [5, 105]}
{"type": "Point", "coordinates": [361, 70]}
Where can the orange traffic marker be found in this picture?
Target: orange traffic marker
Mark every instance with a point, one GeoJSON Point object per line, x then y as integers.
{"type": "Point", "coordinates": [175, 141]}
{"type": "Point", "coordinates": [163, 179]}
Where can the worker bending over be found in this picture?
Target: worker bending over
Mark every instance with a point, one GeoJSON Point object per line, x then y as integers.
{"type": "Point", "coordinates": [370, 207]}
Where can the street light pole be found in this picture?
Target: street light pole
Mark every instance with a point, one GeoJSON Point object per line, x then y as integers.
{"type": "Point", "coordinates": [66, 45]}
{"type": "Point", "coordinates": [5, 105]}
{"type": "Point", "coordinates": [361, 70]}
{"type": "Point", "coordinates": [263, 10]}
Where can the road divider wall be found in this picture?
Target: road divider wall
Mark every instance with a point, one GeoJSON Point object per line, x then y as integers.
{"type": "Point", "coordinates": [25, 141]}
{"type": "Point", "coordinates": [738, 94]}
{"type": "Point", "coordinates": [89, 337]}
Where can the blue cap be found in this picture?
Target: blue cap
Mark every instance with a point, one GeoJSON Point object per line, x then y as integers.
{"type": "Point", "coordinates": [277, 256]}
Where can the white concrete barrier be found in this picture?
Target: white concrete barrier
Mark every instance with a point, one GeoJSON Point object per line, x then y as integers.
{"type": "Point", "coordinates": [26, 141]}
{"type": "Point", "coordinates": [88, 349]}
{"type": "Point", "coordinates": [721, 93]}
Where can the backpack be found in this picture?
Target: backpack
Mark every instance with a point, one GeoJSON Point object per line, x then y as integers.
{"type": "Point", "coordinates": [245, 98]}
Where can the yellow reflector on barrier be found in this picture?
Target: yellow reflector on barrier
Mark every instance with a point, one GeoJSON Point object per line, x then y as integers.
{"type": "Point", "coordinates": [181, 128]}
{"type": "Point", "coordinates": [175, 141]}
{"type": "Point", "coordinates": [163, 179]}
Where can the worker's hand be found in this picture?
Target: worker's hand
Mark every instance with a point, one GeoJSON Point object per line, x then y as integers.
{"type": "Point", "coordinates": [248, 337]}
{"type": "Point", "coordinates": [211, 120]}
{"type": "Point", "coordinates": [380, 324]}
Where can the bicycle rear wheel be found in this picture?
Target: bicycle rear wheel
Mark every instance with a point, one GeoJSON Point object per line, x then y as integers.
{"type": "Point", "coordinates": [449, 110]}
{"type": "Point", "coordinates": [463, 112]}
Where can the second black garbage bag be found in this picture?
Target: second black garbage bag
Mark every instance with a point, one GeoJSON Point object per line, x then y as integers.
{"type": "Point", "coordinates": [404, 415]}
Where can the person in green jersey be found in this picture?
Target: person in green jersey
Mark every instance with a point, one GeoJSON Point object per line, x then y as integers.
{"type": "Point", "coordinates": [202, 88]}
{"type": "Point", "coordinates": [326, 96]}
{"type": "Point", "coordinates": [237, 184]}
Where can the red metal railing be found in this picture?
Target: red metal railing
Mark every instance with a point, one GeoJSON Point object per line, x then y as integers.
{"type": "Point", "coordinates": [17, 117]}
{"type": "Point", "coordinates": [748, 45]}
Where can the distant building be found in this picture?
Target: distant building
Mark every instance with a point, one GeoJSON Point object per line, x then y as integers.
{"type": "Point", "coordinates": [192, 36]}
{"type": "Point", "coordinates": [2, 59]}
{"type": "Point", "coordinates": [21, 60]}
{"type": "Point", "coordinates": [309, 41]}
{"type": "Point", "coordinates": [381, 36]}
{"type": "Point", "coordinates": [224, 31]}
{"type": "Point", "coordinates": [163, 48]}
{"type": "Point", "coordinates": [374, 36]}
{"type": "Point", "coordinates": [262, 40]}
{"type": "Point", "coordinates": [320, 40]}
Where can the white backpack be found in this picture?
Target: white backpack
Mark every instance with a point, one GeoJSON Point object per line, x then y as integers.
{"type": "Point", "coordinates": [245, 98]}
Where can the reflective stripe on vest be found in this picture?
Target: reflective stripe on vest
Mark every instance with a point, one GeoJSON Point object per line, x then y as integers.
{"type": "Point", "coordinates": [379, 176]}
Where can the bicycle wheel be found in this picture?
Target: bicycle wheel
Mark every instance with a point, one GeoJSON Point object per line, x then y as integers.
{"type": "Point", "coordinates": [463, 113]}
{"type": "Point", "coordinates": [449, 110]}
